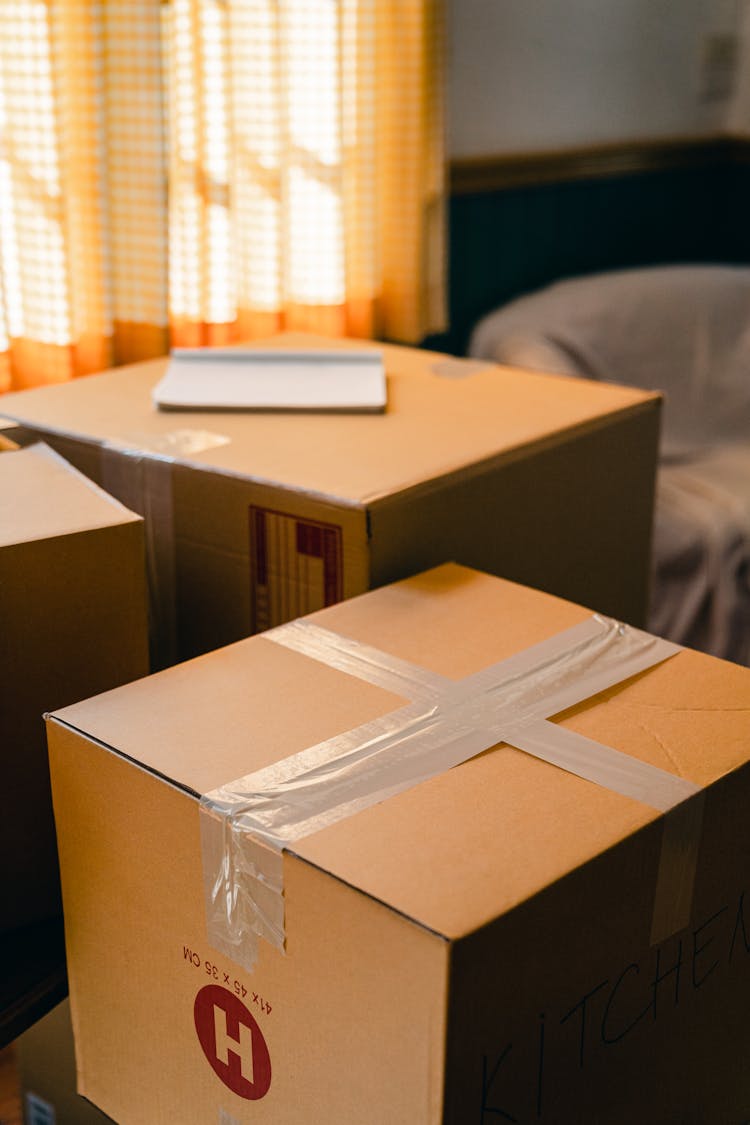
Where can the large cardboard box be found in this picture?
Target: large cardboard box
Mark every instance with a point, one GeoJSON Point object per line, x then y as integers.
{"type": "Point", "coordinates": [504, 940]}
{"type": "Point", "coordinates": [73, 622]}
{"type": "Point", "coordinates": [253, 519]}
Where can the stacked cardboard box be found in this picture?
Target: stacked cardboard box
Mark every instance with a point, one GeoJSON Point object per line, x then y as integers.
{"type": "Point", "coordinates": [253, 519]}
{"type": "Point", "coordinates": [74, 623]}
{"type": "Point", "coordinates": [328, 890]}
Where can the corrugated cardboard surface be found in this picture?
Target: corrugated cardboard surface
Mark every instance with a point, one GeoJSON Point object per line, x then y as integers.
{"type": "Point", "coordinates": [572, 517]}
{"type": "Point", "coordinates": [436, 424]}
{"type": "Point", "coordinates": [563, 1012]}
{"type": "Point", "coordinates": [498, 892]}
{"type": "Point", "coordinates": [542, 479]}
{"type": "Point", "coordinates": [73, 610]}
{"type": "Point", "coordinates": [139, 958]}
{"type": "Point", "coordinates": [42, 497]}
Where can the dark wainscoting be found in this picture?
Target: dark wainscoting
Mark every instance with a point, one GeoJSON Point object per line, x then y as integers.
{"type": "Point", "coordinates": [520, 222]}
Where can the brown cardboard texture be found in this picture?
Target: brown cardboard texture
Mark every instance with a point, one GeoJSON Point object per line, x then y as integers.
{"type": "Point", "coordinates": [254, 519]}
{"type": "Point", "coordinates": [73, 612]}
{"type": "Point", "coordinates": [476, 948]}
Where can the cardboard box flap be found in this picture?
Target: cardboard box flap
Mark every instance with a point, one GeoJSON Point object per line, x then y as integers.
{"type": "Point", "coordinates": [213, 719]}
{"type": "Point", "coordinates": [42, 496]}
{"type": "Point", "coordinates": [444, 415]}
{"type": "Point", "coordinates": [476, 840]}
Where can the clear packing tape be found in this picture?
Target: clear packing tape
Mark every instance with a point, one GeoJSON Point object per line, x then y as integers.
{"type": "Point", "coordinates": [246, 825]}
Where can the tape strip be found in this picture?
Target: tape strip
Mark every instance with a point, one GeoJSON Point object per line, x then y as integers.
{"type": "Point", "coordinates": [561, 671]}
{"type": "Point", "coordinates": [226, 1118]}
{"type": "Point", "coordinates": [677, 866]}
{"type": "Point", "coordinates": [137, 469]}
{"type": "Point", "coordinates": [595, 762]}
{"type": "Point", "coordinates": [360, 660]}
{"type": "Point", "coordinates": [254, 818]}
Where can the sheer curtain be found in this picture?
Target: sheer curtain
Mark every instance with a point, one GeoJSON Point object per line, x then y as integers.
{"type": "Point", "coordinates": [203, 171]}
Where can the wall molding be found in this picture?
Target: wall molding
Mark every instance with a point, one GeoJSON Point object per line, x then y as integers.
{"type": "Point", "coordinates": [468, 175]}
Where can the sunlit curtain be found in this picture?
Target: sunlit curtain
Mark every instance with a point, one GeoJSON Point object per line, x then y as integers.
{"type": "Point", "coordinates": [201, 171]}
{"type": "Point", "coordinates": [83, 260]}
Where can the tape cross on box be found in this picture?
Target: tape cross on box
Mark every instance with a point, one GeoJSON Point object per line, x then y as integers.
{"type": "Point", "coordinates": [246, 824]}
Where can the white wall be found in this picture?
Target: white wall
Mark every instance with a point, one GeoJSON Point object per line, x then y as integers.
{"type": "Point", "coordinates": [738, 117]}
{"type": "Point", "coordinates": [525, 75]}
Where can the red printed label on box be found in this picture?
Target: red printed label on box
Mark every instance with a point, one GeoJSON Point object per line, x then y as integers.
{"type": "Point", "coordinates": [232, 1042]}
{"type": "Point", "coordinates": [295, 566]}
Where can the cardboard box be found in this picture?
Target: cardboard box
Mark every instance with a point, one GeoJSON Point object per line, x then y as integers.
{"type": "Point", "coordinates": [74, 623]}
{"type": "Point", "coordinates": [253, 519]}
{"type": "Point", "coordinates": [503, 940]}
